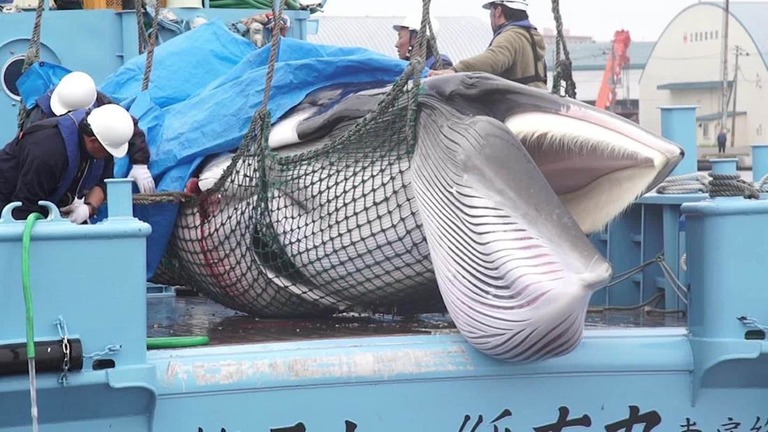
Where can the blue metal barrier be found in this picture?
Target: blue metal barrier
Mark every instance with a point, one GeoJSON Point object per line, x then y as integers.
{"type": "Point", "coordinates": [727, 249]}
{"type": "Point", "coordinates": [104, 322]}
{"type": "Point", "coordinates": [759, 161]}
{"type": "Point", "coordinates": [678, 124]}
{"type": "Point", "coordinates": [724, 166]}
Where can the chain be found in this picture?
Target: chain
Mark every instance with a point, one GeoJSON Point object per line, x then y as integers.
{"type": "Point", "coordinates": [109, 350]}
{"type": "Point", "coordinates": [64, 334]}
{"type": "Point", "coordinates": [751, 322]}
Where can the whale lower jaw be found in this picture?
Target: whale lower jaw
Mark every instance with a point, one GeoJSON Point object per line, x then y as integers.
{"type": "Point", "coordinates": [514, 268]}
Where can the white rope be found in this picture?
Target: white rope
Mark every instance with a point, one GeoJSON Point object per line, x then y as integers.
{"type": "Point", "coordinates": [685, 184]}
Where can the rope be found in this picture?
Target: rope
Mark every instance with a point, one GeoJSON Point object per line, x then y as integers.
{"type": "Point", "coordinates": [162, 197]}
{"type": "Point", "coordinates": [762, 184]}
{"type": "Point", "coordinates": [277, 34]}
{"type": "Point", "coordinates": [563, 66]}
{"type": "Point", "coordinates": [676, 285]}
{"type": "Point", "coordinates": [431, 39]}
{"type": "Point", "coordinates": [261, 122]}
{"type": "Point", "coordinates": [716, 185]}
{"type": "Point", "coordinates": [685, 184]}
{"type": "Point", "coordinates": [140, 30]}
{"type": "Point", "coordinates": [424, 38]}
{"type": "Point", "coordinates": [33, 53]}
{"type": "Point", "coordinates": [731, 185]}
{"type": "Point", "coordinates": [151, 49]}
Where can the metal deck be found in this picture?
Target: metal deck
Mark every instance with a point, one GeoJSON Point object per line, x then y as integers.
{"type": "Point", "coordinates": [197, 316]}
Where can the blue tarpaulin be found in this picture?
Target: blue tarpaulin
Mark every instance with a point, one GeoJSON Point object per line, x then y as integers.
{"type": "Point", "coordinates": [38, 79]}
{"type": "Point", "coordinates": [205, 87]}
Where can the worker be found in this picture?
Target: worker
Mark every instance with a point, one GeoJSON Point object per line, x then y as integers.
{"type": "Point", "coordinates": [407, 33]}
{"type": "Point", "coordinates": [259, 28]}
{"type": "Point", "coordinates": [516, 51]}
{"type": "Point", "coordinates": [77, 90]}
{"type": "Point", "coordinates": [722, 139]}
{"type": "Point", "coordinates": [65, 160]}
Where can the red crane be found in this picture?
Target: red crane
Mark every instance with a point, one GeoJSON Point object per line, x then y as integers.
{"type": "Point", "coordinates": [617, 61]}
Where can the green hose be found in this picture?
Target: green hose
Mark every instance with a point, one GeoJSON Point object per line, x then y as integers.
{"type": "Point", "coordinates": [176, 342]}
{"type": "Point", "coordinates": [156, 343]}
{"type": "Point", "coordinates": [25, 241]}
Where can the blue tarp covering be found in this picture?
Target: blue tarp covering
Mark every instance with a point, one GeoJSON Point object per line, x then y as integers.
{"type": "Point", "coordinates": [38, 79]}
{"type": "Point", "coordinates": [206, 85]}
{"type": "Point", "coordinates": [181, 67]}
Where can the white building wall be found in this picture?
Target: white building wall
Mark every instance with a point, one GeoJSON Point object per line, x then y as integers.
{"type": "Point", "coordinates": [689, 50]}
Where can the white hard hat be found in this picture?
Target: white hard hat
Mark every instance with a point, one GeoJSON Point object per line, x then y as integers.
{"type": "Point", "coordinates": [413, 22]}
{"type": "Point", "coordinates": [113, 127]}
{"type": "Point", "coordinates": [75, 91]}
{"type": "Point", "coordinates": [521, 5]}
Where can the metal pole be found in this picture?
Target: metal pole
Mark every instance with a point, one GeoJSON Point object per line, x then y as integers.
{"type": "Point", "coordinates": [735, 80]}
{"type": "Point", "coordinates": [724, 100]}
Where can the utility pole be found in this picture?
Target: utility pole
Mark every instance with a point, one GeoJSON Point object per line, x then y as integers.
{"type": "Point", "coordinates": [738, 52]}
{"type": "Point", "coordinates": [724, 97]}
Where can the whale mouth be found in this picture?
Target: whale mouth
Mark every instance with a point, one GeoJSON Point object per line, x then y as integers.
{"type": "Point", "coordinates": [596, 170]}
{"type": "Point", "coordinates": [597, 162]}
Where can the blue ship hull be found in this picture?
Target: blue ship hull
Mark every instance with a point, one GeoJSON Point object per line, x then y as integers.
{"type": "Point", "coordinates": [414, 383]}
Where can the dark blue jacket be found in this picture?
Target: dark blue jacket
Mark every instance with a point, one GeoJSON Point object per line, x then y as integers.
{"type": "Point", "coordinates": [138, 150]}
{"type": "Point", "coordinates": [48, 161]}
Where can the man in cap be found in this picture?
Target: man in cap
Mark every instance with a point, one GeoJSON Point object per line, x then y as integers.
{"type": "Point", "coordinates": [65, 160]}
{"type": "Point", "coordinates": [407, 34]}
{"type": "Point", "coordinates": [516, 51]}
{"type": "Point", "coordinates": [77, 91]}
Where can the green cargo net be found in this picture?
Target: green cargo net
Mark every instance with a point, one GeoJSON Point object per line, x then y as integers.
{"type": "Point", "coordinates": [312, 231]}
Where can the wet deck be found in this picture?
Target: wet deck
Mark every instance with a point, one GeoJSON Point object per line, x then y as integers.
{"type": "Point", "coordinates": [196, 316]}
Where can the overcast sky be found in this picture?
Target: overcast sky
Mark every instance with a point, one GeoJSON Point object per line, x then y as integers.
{"type": "Point", "coordinates": [645, 19]}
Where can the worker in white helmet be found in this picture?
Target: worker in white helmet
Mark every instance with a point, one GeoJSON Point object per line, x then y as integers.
{"type": "Point", "coordinates": [517, 50]}
{"type": "Point", "coordinates": [407, 33]}
{"type": "Point", "coordinates": [65, 160]}
{"type": "Point", "coordinates": [76, 91]}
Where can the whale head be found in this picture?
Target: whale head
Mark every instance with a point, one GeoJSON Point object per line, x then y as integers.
{"type": "Point", "coordinates": [597, 162]}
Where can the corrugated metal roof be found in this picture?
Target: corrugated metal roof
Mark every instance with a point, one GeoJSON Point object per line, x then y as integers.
{"type": "Point", "coordinates": [594, 56]}
{"type": "Point", "coordinates": [459, 37]}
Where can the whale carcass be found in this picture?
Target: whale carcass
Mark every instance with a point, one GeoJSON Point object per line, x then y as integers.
{"type": "Point", "coordinates": [490, 210]}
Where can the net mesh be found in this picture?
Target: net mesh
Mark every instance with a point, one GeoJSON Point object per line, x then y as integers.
{"type": "Point", "coordinates": [325, 227]}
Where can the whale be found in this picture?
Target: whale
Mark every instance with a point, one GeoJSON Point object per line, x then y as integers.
{"type": "Point", "coordinates": [491, 211]}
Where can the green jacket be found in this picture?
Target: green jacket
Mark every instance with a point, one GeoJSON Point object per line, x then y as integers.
{"type": "Point", "coordinates": [511, 56]}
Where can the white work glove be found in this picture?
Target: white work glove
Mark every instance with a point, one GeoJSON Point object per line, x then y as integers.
{"type": "Point", "coordinates": [77, 212]}
{"type": "Point", "coordinates": [141, 175]}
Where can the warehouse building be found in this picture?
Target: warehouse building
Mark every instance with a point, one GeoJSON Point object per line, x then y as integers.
{"type": "Point", "coordinates": [685, 68]}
